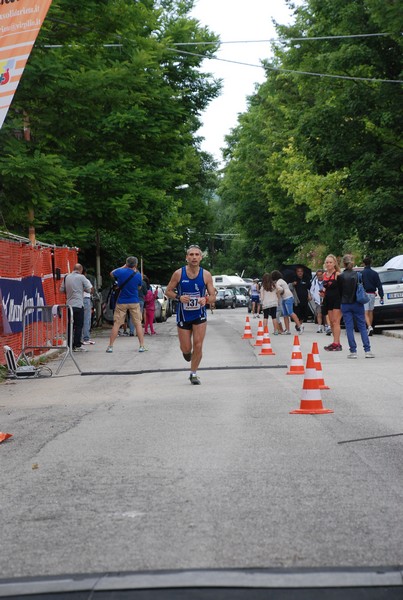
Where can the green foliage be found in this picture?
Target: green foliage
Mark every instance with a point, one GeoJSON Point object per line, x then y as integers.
{"type": "Point", "coordinates": [112, 131]}
{"type": "Point", "coordinates": [316, 162]}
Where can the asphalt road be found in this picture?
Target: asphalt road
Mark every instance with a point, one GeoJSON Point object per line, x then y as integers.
{"type": "Point", "coordinates": [137, 472]}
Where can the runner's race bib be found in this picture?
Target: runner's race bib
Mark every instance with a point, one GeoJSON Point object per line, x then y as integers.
{"type": "Point", "coordinates": [193, 303]}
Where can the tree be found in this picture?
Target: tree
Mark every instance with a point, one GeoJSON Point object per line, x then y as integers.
{"type": "Point", "coordinates": [117, 107]}
{"type": "Point", "coordinates": [326, 151]}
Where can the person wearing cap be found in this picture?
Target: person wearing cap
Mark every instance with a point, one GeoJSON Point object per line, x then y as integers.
{"type": "Point", "coordinates": [255, 297]}
{"type": "Point", "coordinates": [351, 309]}
{"type": "Point", "coordinates": [188, 285]}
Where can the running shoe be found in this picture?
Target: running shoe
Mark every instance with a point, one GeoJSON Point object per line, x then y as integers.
{"type": "Point", "coordinates": [80, 349]}
{"type": "Point", "coordinates": [109, 349]}
{"type": "Point", "coordinates": [369, 355]}
{"type": "Point", "coordinates": [352, 355]}
{"type": "Point", "coordinates": [300, 329]}
{"type": "Point", "coordinates": [194, 380]}
{"type": "Point", "coordinates": [143, 349]}
{"type": "Point", "coordinates": [370, 330]}
{"type": "Point", "coordinates": [333, 347]}
{"type": "Point", "coordinates": [187, 356]}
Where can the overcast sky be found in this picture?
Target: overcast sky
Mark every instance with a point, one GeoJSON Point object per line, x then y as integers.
{"type": "Point", "coordinates": [235, 20]}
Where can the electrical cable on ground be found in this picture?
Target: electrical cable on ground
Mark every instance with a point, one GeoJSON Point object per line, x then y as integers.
{"type": "Point", "coordinates": [147, 371]}
{"type": "Point", "coordinates": [376, 437]}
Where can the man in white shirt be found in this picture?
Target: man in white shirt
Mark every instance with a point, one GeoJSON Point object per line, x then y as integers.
{"type": "Point", "coordinates": [74, 285]}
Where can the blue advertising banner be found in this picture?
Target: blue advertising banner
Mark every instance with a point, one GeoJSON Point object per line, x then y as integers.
{"type": "Point", "coordinates": [16, 295]}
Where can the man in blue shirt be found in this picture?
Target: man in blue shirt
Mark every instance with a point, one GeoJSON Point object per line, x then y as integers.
{"type": "Point", "coordinates": [372, 284]}
{"type": "Point", "coordinates": [129, 280]}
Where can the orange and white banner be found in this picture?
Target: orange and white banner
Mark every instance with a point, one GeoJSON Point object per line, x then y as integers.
{"type": "Point", "coordinates": [20, 22]}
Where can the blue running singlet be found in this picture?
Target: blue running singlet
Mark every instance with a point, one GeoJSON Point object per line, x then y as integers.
{"type": "Point", "coordinates": [195, 288]}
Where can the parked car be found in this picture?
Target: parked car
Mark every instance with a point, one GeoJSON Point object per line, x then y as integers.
{"type": "Point", "coordinates": [161, 304]}
{"type": "Point", "coordinates": [171, 304]}
{"type": "Point", "coordinates": [391, 312]}
{"type": "Point", "coordinates": [241, 297]}
{"type": "Point", "coordinates": [225, 298]}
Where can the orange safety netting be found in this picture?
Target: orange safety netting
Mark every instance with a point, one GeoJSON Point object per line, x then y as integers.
{"type": "Point", "coordinates": [19, 260]}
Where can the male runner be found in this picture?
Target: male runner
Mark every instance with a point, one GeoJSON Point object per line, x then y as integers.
{"type": "Point", "coordinates": [188, 285]}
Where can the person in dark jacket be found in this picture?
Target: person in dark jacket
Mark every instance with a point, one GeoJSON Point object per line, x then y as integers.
{"type": "Point", "coordinates": [302, 288]}
{"type": "Point", "coordinates": [351, 309]}
{"type": "Point", "coordinates": [372, 284]}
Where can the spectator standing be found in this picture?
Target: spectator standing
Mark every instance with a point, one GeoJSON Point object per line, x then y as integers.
{"type": "Point", "coordinates": [74, 285]}
{"type": "Point", "coordinates": [255, 297]}
{"type": "Point", "coordinates": [302, 287]}
{"type": "Point", "coordinates": [372, 285]}
{"type": "Point", "coordinates": [269, 299]}
{"type": "Point", "coordinates": [128, 279]}
{"type": "Point", "coordinates": [142, 292]}
{"type": "Point", "coordinates": [87, 313]}
{"type": "Point", "coordinates": [331, 300]}
{"type": "Point", "coordinates": [287, 301]}
{"type": "Point", "coordinates": [351, 309]}
{"type": "Point", "coordinates": [149, 303]}
{"type": "Point", "coordinates": [315, 292]}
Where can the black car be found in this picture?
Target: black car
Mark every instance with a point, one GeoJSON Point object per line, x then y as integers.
{"type": "Point", "coordinates": [225, 298]}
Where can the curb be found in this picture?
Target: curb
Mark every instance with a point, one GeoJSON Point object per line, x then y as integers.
{"type": "Point", "coordinates": [395, 334]}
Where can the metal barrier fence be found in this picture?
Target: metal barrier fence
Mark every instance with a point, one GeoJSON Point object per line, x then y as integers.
{"type": "Point", "coordinates": [47, 328]}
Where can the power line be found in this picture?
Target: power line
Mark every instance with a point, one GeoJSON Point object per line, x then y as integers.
{"type": "Point", "coordinates": [281, 70]}
{"type": "Point", "coordinates": [277, 69]}
{"type": "Point", "coordinates": [285, 40]}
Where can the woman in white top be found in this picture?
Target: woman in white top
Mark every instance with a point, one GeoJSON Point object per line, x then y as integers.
{"type": "Point", "coordinates": [269, 299]}
{"type": "Point", "coordinates": [287, 300]}
{"type": "Point", "coordinates": [254, 293]}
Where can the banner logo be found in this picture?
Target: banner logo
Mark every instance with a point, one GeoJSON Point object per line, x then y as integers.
{"type": "Point", "coordinates": [20, 23]}
{"type": "Point", "coordinates": [16, 295]}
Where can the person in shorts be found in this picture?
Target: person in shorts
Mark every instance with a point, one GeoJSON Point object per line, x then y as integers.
{"type": "Point", "coordinates": [331, 299]}
{"type": "Point", "coordinates": [316, 288]}
{"type": "Point", "coordinates": [188, 285]}
{"type": "Point", "coordinates": [129, 280]}
{"type": "Point", "coordinates": [269, 300]}
{"type": "Point", "coordinates": [287, 303]}
{"type": "Point", "coordinates": [255, 298]}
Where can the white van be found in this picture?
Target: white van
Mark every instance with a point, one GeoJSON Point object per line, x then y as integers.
{"type": "Point", "coordinates": [232, 281]}
{"type": "Point", "coordinates": [236, 283]}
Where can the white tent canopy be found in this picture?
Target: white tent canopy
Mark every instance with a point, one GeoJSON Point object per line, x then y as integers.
{"type": "Point", "coordinates": [395, 263]}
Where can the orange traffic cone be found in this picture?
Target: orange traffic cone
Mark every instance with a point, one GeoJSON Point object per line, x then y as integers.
{"type": "Point", "coordinates": [297, 363]}
{"type": "Point", "coordinates": [260, 333]}
{"type": "Point", "coordinates": [247, 334]}
{"type": "Point", "coordinates": [318, 365]}
{"type": "Point", "coordinates": [5, 436]}
{"type": "Point", "coordinates": [266, 346]}
{"type": "Point", "coordinates": [311, 400]}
